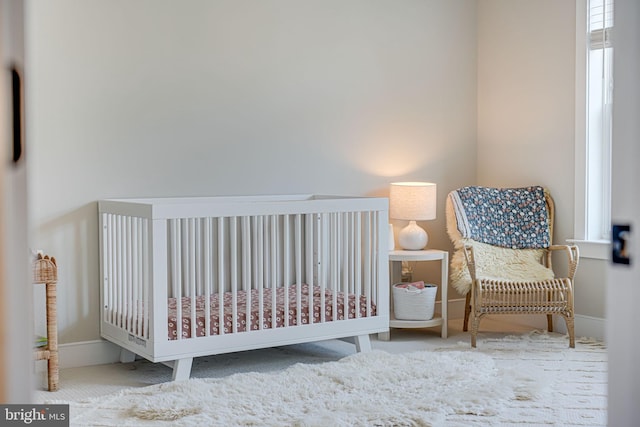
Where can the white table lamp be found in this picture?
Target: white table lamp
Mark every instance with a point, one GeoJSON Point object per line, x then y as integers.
{"type": "Point", "coordinates": [412, 201]}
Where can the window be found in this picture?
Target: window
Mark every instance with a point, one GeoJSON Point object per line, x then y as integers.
{"type": "Point", "coordinates": [594, 87]}
{"type": "Point", "coordinates": [599, 97]}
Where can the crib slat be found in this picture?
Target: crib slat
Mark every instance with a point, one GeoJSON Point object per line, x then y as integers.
{"type": "Point", "coordinates": [191, 277]}
{"type": "Point", "coordinates": [221, 276]}
{"type": "Point", "coordinates": [274, 272]}
{"type": "Point", "coordinates": [111, 265]}
{"type": "Point", "coordinates": [179, 244]}
{"type": "Point", "coordinates": [130, 275]}
{"type": "Point", "coordinates": [260, 270]}
{"type": "Point", "coordinates": [208, 242]}
{"type": "Point", "coordinates": [253, 268]}
{"type": "Point", "coordinates": [254, 262]}
{"type": "Point", "coordinates": [344, 248]}
{"type": "Point", "coordinates": [322, 259]}
{"type": "Point", "coordinates": [358, 256]}
{"type": "Point", "coordinates": [328, 236]}
{"type": "Point", "coordinates": [335, 262]}
{"type": "Point", "coordinates": [118, 276]}
{"type": "Point", "coordinates": [373, 290]}
{"type": "Point", "coordinates": [233, 265]}
{"type": "Point", "coordinates": [106, 266]}
{"type": "Point", "coordinates": [285, 268]}
{"type": "Point", "coordinates": [373, 252]}
{"type": "Point", "coordinates": [140, 261]}
{"type": "Point", "coordinates": [121, 269]}
{"type": "Point", "coordinates": [367, 259]}
{"type": "Point", "coordinates": [268, 255]}
{"type": "Point", "coordinates": [349, 237]}
{"type": "Point", "coordinates": [309, 263]}
{"type": "Point", "coordinates": [346, 265]}
{"type": "Point", "coordinates": [246, 265]}
{"type": "Point", "coordinates": [134, 276]}
{"type": "Point", "coordinates": [116, 270]}
{"type": "Point", "coordinates": [198, 252]}
{"type": "Point", "coordinates": [298, 255]}
{"type": "Point", "coordinates": [123, 275]}
{"type": "Point", "coordinates": [141, 276]}
{"type": "Point", "coordinates": [112, 269]}
{"type": "Point", "coordinates": [146, 274]}
{"type": "Point", "coordinates": [184, 257]}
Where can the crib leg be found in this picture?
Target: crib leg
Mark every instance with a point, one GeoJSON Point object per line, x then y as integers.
{"type": "Point", "coordinates": [363, 343]}
{"type": "Point", "coordinates": [127, 356]}
{"type": "Point", "coordinates": [182, 369]}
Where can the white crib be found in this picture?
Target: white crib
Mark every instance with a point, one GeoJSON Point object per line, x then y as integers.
{"type": "Point", "coordinates": [189, 277]}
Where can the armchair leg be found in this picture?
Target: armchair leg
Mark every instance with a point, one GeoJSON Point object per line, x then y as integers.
{"type": "Point", "coordinates": [571, 331]}
{"type": "Point", "coordinates": [474, 330]}
{"type": "Point", "coordinates": [467, 311]}
{"type": "Point", "coordinates": [550, 322]}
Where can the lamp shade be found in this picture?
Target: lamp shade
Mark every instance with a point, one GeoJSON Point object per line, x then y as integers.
{"type": "Point", "coordinates": [412, 201]}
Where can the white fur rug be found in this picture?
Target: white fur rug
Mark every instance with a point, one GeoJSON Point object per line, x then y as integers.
{"type": "Point", "coordinates": [526, 380]}
{"type": "Point", "coordinates": [377, 388]}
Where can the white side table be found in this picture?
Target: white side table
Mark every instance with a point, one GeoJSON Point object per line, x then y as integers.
{"type": "Point", "coordinates": [395, 258]}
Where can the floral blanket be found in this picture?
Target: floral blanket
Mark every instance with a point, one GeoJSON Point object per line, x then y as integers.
{"type": "Point", "coordinates": [514, 218]}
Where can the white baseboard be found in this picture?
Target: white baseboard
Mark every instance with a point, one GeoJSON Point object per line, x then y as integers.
{"type": "Point", "coordinates": [85, 353]}
{"type": "Point", "coordinates": [585, 326]}
{"type": "Point", "coordinates": [455, 308]}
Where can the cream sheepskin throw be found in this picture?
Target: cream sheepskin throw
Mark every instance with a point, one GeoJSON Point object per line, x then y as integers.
{"type": "Point", "coordinates": [492, 262]}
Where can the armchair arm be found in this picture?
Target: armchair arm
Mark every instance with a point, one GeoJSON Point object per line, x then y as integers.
{"type": "Point", "coordinates": [471, 261]}
{"type": "Point", "coordinates": [573, 257]}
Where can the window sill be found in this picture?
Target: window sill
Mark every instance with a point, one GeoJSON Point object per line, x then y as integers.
{"type": "Point", "coordinates": [596, 249]}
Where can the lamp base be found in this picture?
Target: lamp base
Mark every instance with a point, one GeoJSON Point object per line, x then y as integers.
{"type": "Point", "coordinates": [413, 237]}
{"type": "Point", "coordinates": [392, 241]}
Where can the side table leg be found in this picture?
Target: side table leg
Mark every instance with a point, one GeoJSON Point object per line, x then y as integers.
{"type": "Point", "coordinates": [444, 304]}
{"type": "Point", "coordinates": [384, 336]}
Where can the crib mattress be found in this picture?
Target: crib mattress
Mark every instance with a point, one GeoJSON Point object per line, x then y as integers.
{"type": "Point", "coordinates": [267, 307]}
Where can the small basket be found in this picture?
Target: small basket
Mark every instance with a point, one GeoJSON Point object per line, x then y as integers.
{"type": "Point", "coordinates": [414, 301]}
{"type": "Point", "coordinates": [45, 269]}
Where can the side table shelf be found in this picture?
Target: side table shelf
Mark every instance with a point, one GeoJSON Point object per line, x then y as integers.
{"type": "Point", "coordinates": [45, 272]}
{"type": "Point", "coordinates": [395, 258]}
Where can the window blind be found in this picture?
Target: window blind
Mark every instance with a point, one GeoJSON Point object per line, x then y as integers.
{"type": "Point", "coordinates": [600, 23]}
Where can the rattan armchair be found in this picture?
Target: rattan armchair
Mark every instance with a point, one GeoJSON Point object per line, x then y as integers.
{"type": "Point", "coordinates": [508, 275]}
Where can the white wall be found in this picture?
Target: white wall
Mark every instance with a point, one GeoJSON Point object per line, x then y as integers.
{"type": "Point", "coordinates": [15, 292]}
{"type": "Point", "coordinates": [166, 98]}
{"type": "Point", "coordinates": [526, 57]}
{"type": "Point", "coordinates": [623, 294]}
{"type": "Point", "coordinates": [526, 109]}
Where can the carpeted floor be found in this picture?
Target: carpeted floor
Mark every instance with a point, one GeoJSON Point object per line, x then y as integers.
{"type": "Point", "coordinates": [556, 385]}
{"type": "Point", "coordinates": [576, 394]}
